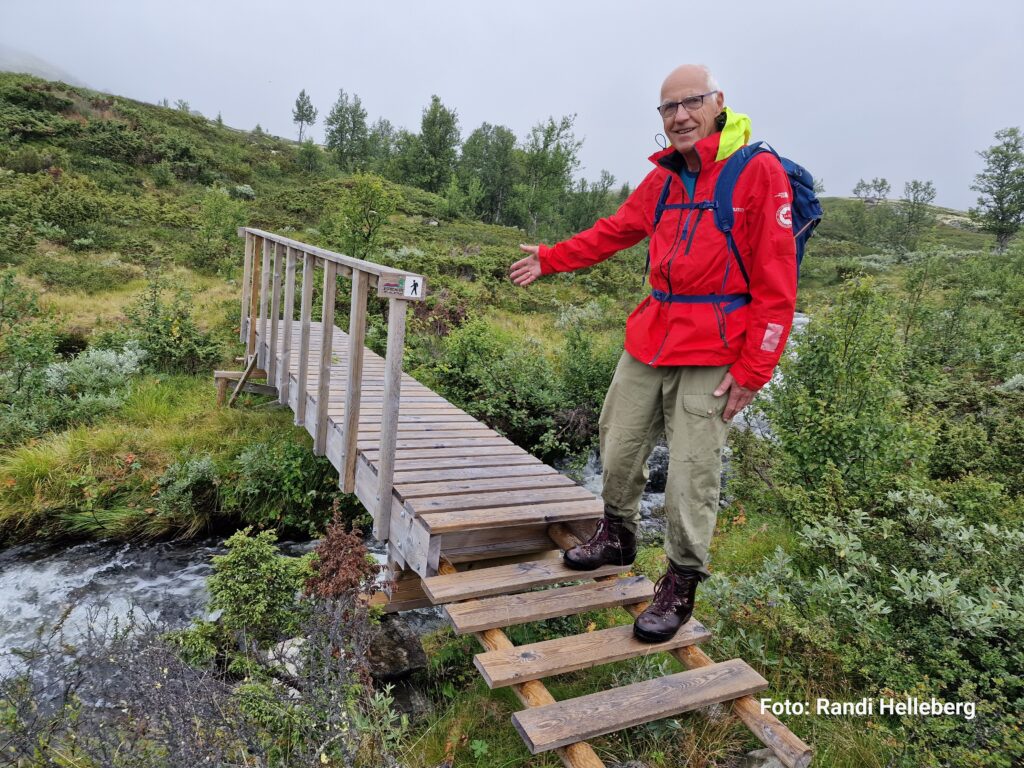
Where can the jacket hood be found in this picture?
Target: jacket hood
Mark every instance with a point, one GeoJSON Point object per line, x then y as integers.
{"type": "Point", "coordinates": [714, 148]}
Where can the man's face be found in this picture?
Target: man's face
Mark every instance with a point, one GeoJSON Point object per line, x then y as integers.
{"type": "Point", "coordinates": [685, 128]}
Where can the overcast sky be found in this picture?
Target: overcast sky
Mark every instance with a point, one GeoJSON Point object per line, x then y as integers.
{"type": "Point", "coordinates": [905, 89]}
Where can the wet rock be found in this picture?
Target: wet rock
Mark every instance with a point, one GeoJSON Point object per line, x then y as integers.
{"type": "Point", "coordinates": [657, 466]}
{"type": "Point", "coordinates": [286, 656]}
{"type": "Point", "coordinates": [759, 758]}
{"type": "Point", "coordinates": [396, 652]}
{"type": "Point", "coordinates": [410, 699]}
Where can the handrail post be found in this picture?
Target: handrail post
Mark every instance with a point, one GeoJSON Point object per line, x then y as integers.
{"type": "Point", "coordinates": [305, 318]}
{"type": "Point", "coordinates": [389, 419]}
{"type": "Point", "coordinates": [326, 350]}
{"type": "Point", "coordinates": [243, 330]}
{"type": "Point", "coordinates": [254, 299]}
{"type": "Point", "coordinates": [353, 389]}
{"type": "Point", "coordinates": [261, 354]}
{"type": "Point", "coordinates": [275, 314]}
{"type": "Point", "coordinates": [284, 371]}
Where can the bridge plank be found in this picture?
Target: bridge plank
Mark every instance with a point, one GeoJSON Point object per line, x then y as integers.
{"type": "Point", "coordinates": [418, 432]}
{"type": "Point", "coordinates": [476, 519]}
{"type": "Point", "coordinates": [438, 453]}
{"type": "Point", "coordinates": [483, 500]}
{"type": "Point", "coordinates": [508, 610]}
{"type": "Point", "coordinates": [565, 722]}
{"type": "Point", "coordinates": [407, 478]}
{"type": "Point", "coordinates": [502, 579]}
{"type": "Point", "coordinates": [479, 485]}
{"type": "Point", "coordinates": [439, 442]}
{"type": "Point", "coordinates": [451, 462]}
{"type": "Point", "coordinates": [576, 652]}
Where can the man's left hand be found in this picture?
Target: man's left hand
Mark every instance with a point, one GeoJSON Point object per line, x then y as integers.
{"type": "Point", "coordinates": [739, 397]}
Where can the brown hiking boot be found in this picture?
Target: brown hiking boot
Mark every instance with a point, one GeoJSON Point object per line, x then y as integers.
{"type": "Point", "coordinates": [612, 544]}
{"type": "Point", "coordinates": [672, 605]}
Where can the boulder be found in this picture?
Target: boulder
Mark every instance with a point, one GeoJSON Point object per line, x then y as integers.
{"type": "Point", "coordinates": [396, 651]}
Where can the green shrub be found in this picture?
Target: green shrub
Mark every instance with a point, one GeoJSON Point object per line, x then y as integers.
{"type": "Point", "coordinates": [16, 242]}
{"type": "Point", "coordinates": [584, 377]}
{"type": "Point", "coordinates": [187, 497]}
{"type": "Point", "coordinates": [910, 600]}
{"type": "Point", "coordinates": [26, 350]}
{"type": "Point", "coordinates": [506, 383]}
{"type": "Point", "coordinates": [188, 160]}
{"type": "Point", "coordinates": [256, 589]}
{"type": "Point", "coordinates": [163, 175]}
{"type": "Point", "coordinates": [839, 404]}
{"type": "Point", "coordinates": [167, 332]}
{"type": "Point", "coordinates": [80, 273]}
{"type": "Point", "coordinates": [220, 216]}
{"type": "Point", "coordinates": [114, 140]}
{"type": "Point", "coordinates": [282, 486]}
{"type": "Point", "coordinates": [91, 384]}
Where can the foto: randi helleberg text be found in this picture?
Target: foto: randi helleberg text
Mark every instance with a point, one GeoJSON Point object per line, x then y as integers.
{"type": "Point", "coordinates": [883, 706]}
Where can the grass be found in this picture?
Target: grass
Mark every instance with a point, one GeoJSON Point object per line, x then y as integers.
{"type": "Point", "coordinates": [100, 480]}
{"type": "Point", "coordinates": [85, 312]}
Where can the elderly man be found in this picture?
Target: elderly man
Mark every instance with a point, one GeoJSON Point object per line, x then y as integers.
{"type": "Point", "coordinates": [699, 346]}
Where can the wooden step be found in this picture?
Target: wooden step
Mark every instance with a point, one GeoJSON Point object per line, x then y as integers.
{"type": "Point", "coordinates": [569, 654]}
{"type": "Point", "coordinates": [507, 610]}
{"type": "Point", "coordinates": [504, 579]}
{"type": "Point", "coordinates": [566, 722]}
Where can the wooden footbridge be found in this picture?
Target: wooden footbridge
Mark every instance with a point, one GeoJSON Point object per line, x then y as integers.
{"type": "Point", "coordinates": [471, 520]}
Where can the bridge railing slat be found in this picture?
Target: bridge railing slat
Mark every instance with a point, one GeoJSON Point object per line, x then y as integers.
{"type": "Point", "coordinates": [305, 318]}
{"type": "Point", "coordinates": [261, 353]}
{"type": "Point", "coordinates": [389, 421]}
{"type": "Point", "coordinates": [275, 313]}
{"type": "Point", "coordinates": [326, 350]}
{"type": "Point", "coordinates": [353, 389]}
{"type": "Point", "coordinates": [284, 371]}
{"type": "Point", "coordinates": [243, 324]}
{"type": "Point", "coordinates": [254, 299]}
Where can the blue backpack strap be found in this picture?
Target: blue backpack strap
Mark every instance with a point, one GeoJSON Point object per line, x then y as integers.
{"type": "Point", "coordinates": [659, 210]}
{"type": "Point", "coordinates": [724, 217]}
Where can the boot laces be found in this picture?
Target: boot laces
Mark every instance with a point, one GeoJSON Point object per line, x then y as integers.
{"type": "Point", "coordinates": [600, 537]}
{"type": "Point", "coordinates": [666, 599]}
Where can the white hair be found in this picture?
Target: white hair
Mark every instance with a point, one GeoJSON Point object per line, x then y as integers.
{"type": "Point", "coordinates": [710, 80]}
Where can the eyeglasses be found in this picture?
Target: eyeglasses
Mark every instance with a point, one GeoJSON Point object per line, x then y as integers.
{"type": "Point", "coordinates": [690, 104]}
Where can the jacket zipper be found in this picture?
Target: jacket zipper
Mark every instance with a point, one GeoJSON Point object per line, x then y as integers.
{"type": "Point", "coordinates": [688, 235]}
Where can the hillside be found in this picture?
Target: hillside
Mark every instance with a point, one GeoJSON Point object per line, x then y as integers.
{"type": "Point", "coordinates": [872, 545]}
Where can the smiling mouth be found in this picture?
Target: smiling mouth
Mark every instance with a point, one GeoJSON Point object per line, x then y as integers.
{"type": "Point", "coordinates": [683, 131]}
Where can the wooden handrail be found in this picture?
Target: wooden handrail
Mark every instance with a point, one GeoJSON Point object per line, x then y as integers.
{"type": "Point", "coordinates": [270, 269]}
{"type": "Point", "coordinates": [378, 270]}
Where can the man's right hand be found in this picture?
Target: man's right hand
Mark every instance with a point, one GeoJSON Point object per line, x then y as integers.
{"type": "Point", "coordinates": [525, 271]}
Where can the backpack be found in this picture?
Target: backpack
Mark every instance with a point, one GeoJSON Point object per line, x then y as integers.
{"type": "Point", "coordinates": [805, 211]}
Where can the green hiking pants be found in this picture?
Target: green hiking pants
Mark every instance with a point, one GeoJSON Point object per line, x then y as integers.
{"type": "Point", "coordinates": [644, 402]}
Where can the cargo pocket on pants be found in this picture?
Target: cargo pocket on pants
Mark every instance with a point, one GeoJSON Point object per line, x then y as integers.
{"type": "Point", "coordinates": [704, 405]}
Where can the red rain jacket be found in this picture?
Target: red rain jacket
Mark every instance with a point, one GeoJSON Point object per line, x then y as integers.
{"type": "Point", "coordinates": [750, 339]}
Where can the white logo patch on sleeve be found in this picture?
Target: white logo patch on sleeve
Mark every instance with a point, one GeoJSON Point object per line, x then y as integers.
{"type": "Point", "coordinates": [772, 337]}
{"type": "Point", "coordinates": [785, 216]}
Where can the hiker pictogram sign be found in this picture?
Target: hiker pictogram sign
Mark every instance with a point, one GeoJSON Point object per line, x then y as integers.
{"type": "Point", "coordinates": [401, 286]}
